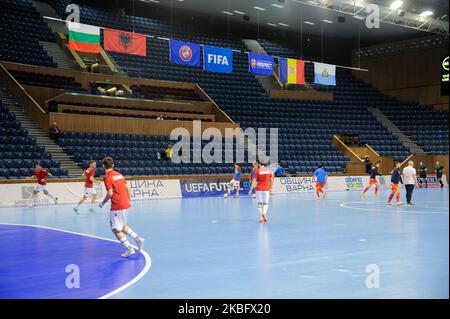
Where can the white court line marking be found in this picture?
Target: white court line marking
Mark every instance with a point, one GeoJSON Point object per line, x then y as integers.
{"type": "Point", "coordinates": [344, 205]}
{"type": "Point", "coordinates": [148, 260]}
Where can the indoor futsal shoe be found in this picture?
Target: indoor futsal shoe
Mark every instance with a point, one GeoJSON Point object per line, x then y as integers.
{"type": "Point", "coordinates": [140, 243]}
{"type": "Point", "coordinates": [363, 195]}
{"type": "Point", "coordinates": [130, 251]}
{"type": "Point", "coordinates": [56, 201]}
{"type": "Point", "coordinates": [75, 210]}
{"type": "Point", "coordinates": [399, 203]}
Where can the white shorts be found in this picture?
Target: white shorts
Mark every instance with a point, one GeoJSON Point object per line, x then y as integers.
{"type": "Point", "coordinates": [263, 196]}
{"type": "Point", "coordinates": [89, 192]}
{"type": "Point", "coordinates": [234, 183]}
{"type": "Point", "coordinates": [118, 219]}
{"type": "Point", "coordinates": [41, 188]}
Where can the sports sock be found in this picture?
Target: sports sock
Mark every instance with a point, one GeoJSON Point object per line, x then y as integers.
{"type": "Point", "coordinates": [131, 233]}
{"type": "Point", "coordinates": [124, 241]}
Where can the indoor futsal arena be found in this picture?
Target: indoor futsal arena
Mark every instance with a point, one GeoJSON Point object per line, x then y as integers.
{"type": "Point", "coordinates": [224, 149]}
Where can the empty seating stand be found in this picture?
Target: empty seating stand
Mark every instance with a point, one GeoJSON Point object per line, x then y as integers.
{"type": "Point", "coordinates": [19, 152]}
{"type": "Point", "coordinates": [46, 80]}
{"type": "Point", "coordinates": [21, 29]}
{"type": "Point", "coordinates": [137, 154]}
{"type": "Point", "coordinates": [163, 93]}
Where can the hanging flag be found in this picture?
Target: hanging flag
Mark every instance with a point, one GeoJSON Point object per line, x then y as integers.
{"type": "Point", "coordinates": [291, 71]}
{"type": "Point", "coordinates": [217, 59]}
{"type": "Point", "coordinates": [125, 42]}
{"type": "Point", "coordinates": [184, 53]}
{"type": "Point", "coordinates": [260, 64]}
{"type": "Point", "coordinates": [84, 37]}
{"type": "Point", "coordinates": [324, 74]}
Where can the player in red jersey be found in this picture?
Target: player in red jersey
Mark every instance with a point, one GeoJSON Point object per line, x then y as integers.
{"type": "Point", "coordinates": [41, 175]}
{"type": "Point", "coordinates": [118, 192]}
{"type": "Point", "coordinates": [263, 180]}
{"type": "Point", "coordinates": [89, 190]}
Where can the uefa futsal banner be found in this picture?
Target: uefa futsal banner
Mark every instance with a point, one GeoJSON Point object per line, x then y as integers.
{"type": "Point", "coordinates": [217, 59]}
{"type": "Point", "coordinates": [184, 53]}
{"type": "Point", "coordinates": [260, 64]}
{"type": "Point", "coordinates": [210, 187]}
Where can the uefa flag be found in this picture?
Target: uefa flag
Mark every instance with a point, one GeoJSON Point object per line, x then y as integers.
{"type": "Point", "coordinates": [184, 53]}
{"type": "Point", "coordinates": [324, 74]}
{"type": "Point", "coordinates": [291, 71]}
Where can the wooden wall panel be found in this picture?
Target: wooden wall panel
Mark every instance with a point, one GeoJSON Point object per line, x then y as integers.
{"type": "Point", "coordinates": [300, 95]}
{"type": "Point", "coordinates": [93, 123]}
{"type": "Point", "coordinates": [411, 76]}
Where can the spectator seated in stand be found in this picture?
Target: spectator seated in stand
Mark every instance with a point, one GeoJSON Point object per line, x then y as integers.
{"type": "Point", "coordinates": [55, 132]}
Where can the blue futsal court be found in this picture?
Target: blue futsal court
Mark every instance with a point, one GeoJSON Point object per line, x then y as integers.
{"type": "Point", "coordinates": [215, 248]}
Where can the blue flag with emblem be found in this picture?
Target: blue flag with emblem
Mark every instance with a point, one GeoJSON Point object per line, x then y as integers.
{"type": "Point", "coordinates": [217, 59]}
{"type": "Point", "coordinates": [260, 64]}
{"type": "Point", "coordinates": [184, 53]}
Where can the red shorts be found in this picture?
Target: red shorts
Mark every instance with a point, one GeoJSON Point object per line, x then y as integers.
{"type": "Point", "coordinates": [373, 181]}
{"type": "Point", "coordinates": [319, 185]}
{"type": "Point", "coordinates": [395, 187]}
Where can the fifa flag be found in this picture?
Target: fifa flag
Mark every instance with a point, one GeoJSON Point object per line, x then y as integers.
{"type": "Point", "coordinates": [125, 42]}
{"type": "Point", "coordinates": [84, 37]}
{"type": "Point", "coordinates": [291, 71]}
{"type": "Point", "coordinates": [184, 53]}
{"type": "Point", "coordinates": [217, 59]}
{"type": "Point", "coordinates": [324, 74]}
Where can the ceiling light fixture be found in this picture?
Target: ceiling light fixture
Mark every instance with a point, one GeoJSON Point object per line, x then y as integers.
{"type": "Point", "coordinates": [239, 12]}
{"type": "Point", "coordinates": [228, 13]}
{"type": "Point", "coordinates": [396, 4]}
{"type": "Point", "coordinates": [276, 5]}
{"type": "Point", "coordinates": [259, 8]}
{"type": "Point", "coordinates": [327, 21]}
{"type": "Point", "coordinates": [426, 13]}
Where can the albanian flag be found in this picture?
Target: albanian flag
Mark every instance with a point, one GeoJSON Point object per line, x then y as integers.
{"type": "Point", "coordinates": [125, 42]}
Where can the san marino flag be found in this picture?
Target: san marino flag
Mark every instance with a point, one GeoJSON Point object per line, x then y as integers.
{"type": "Point", "coordinates": [84, 37]}
{"type": "Point", "coordinates": [324, 74]}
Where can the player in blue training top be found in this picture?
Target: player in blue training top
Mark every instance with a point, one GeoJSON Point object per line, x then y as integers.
{"type": "Point", "coordinates": [321, 176]}
{"type": "Point", "coordinates": [235, 182]}
{"type": "Point", "coordinates": [373, 180]}
{"type": "Point", "coordinates": [396, 178]}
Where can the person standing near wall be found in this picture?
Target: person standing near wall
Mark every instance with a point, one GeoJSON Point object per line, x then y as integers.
{"type": "Point", "coordinates": [409, 179]}
{"type": "Point", "coordinates": [439, 169]}
{"type": "Point", "coordinates": [422, 175]}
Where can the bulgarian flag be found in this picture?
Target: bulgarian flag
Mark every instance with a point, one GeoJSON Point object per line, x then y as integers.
{"type": "Point", "coordinates": [84, 37]}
